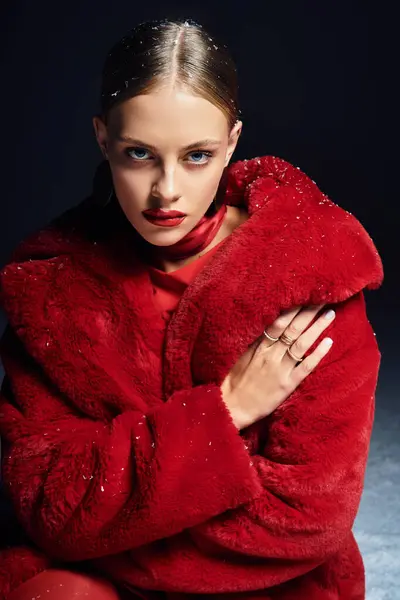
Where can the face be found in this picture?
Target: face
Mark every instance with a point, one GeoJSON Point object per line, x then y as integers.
{"type": "Point", "coordinates": [167, 150]}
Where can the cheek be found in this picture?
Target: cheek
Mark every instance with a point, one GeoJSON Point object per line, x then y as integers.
{"type": "Point", "coordinates": [206, 191]}
{"type": "Point", "coordinates": [203, 185]}
{"type": "Point", "coordinates": [129, 185]}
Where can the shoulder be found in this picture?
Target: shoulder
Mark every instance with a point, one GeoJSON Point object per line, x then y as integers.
{"type": "Point", "coordinates": [299, 230]}
{"type": "Point", "coordinates": [47, 264]}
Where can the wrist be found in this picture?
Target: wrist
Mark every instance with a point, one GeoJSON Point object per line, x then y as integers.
{"type": "Point", "coordinates": [240, 418]}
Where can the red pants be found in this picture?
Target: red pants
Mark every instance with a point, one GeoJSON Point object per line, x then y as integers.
{"type": "Point", "coordinates": [57, 584]}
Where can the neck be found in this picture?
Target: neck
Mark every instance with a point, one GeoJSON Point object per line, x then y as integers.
{"type": "Point", "coordinates": [192, 244]}
{"type": "Point", "coordinates": [234, 217]}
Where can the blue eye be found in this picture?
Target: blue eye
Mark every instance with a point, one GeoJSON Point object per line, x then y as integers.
{"type": "Point", "coordinates": [139, 153]}
{"type": "Point", "coordinates": [199, 154]}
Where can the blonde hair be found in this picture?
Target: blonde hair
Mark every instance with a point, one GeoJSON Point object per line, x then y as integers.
{"type": "Point", "coordinates": [156, 52]}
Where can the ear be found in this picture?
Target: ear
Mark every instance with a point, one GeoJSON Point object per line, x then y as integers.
{"type": "Point", "coordinates": [100, 130]}
{"type": "Point", "coordinates": [233, 140]}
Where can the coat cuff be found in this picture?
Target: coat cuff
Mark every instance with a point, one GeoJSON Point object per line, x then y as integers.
{"type": "Point", "coordinates": [201, 448]}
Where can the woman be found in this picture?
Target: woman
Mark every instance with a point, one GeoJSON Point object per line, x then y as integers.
{"type": "Point", "coordinates": [175, 420]}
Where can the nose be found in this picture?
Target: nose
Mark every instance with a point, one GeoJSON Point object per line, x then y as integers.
{"type": "Point", "coordinates": [166, 188]}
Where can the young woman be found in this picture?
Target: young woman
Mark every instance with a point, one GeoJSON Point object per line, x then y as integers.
{"type": "Point", "coordinates": [175, 421]}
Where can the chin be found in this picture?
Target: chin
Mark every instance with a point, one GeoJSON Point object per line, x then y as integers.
{"type": "Point", "coordinates": [162, 238]}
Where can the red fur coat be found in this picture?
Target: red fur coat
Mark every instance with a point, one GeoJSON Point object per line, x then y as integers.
{"type": "Point", "coordinates": [119, 449]}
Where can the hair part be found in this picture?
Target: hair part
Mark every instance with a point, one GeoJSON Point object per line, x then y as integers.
{"type": "Point", "coordinates": [158, 53]}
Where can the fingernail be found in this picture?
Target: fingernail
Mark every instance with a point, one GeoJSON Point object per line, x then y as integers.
{"type": "Point", "coordinates": [330, 314]}
{"type": "Point", "coordinates": [327, 342]}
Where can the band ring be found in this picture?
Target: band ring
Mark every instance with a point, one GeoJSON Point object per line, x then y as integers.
{"type": "Point", "coordinates": [285, 339]}
{"type": "Point", "coordinates": [296, 358]}
{"type": "Point", "coordinates": [269, 337]}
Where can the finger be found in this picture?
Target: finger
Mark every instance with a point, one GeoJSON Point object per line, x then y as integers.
{"type": "Point", "coordinates": [304, 342]}
{"type": "Point", "coordinates": [308, 365]}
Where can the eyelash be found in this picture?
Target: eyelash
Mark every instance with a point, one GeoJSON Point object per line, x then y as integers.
{"type": "Point", "coordinates": [205, 152]}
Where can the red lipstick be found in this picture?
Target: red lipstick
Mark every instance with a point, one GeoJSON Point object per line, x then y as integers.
{"type": "Point", "coordinates": [164, 218]}
{"type": "Point", "coordinates": [157, 213]}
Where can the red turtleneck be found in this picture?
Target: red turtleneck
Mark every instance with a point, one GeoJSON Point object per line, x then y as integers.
{"type": "Point", "coordinates": [169, 287]}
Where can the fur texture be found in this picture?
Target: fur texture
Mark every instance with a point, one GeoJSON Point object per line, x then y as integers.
{"type": "Point", "coordinates": [119, 449]}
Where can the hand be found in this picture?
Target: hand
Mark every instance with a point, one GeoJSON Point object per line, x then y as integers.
{"type": "Point", "coordinates": [266, 374]}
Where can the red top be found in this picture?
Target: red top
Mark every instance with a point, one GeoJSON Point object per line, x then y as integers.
{"type": "Point", "coordinates": [169, 287]}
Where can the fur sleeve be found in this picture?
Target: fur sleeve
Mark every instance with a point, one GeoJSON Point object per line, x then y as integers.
{"type": "Point", "coordinates": [84, 488]}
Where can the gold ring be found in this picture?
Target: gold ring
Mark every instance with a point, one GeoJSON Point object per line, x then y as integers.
{"type": "Point", "coordinates": [286, 339]}
{"type": "Point", "coordinates": [293, 356]}
{"type": "Point", "coordinates": [269, 337]}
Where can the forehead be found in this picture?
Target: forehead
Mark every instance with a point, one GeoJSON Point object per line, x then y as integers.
{"type": "Point", "coordinates": [168, 116]}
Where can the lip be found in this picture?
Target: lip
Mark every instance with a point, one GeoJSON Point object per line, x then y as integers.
{"type": "Point", "coordinates": [157, 213]}
{"type": "Point", "coordinates": [164, 222]}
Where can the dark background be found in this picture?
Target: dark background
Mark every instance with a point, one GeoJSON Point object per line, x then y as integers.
{"type": "Point", "coordinates": [318, 85]}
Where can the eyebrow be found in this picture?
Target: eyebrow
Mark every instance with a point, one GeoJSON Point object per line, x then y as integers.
{"type": "Point", "coordinates": [140, 143]}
